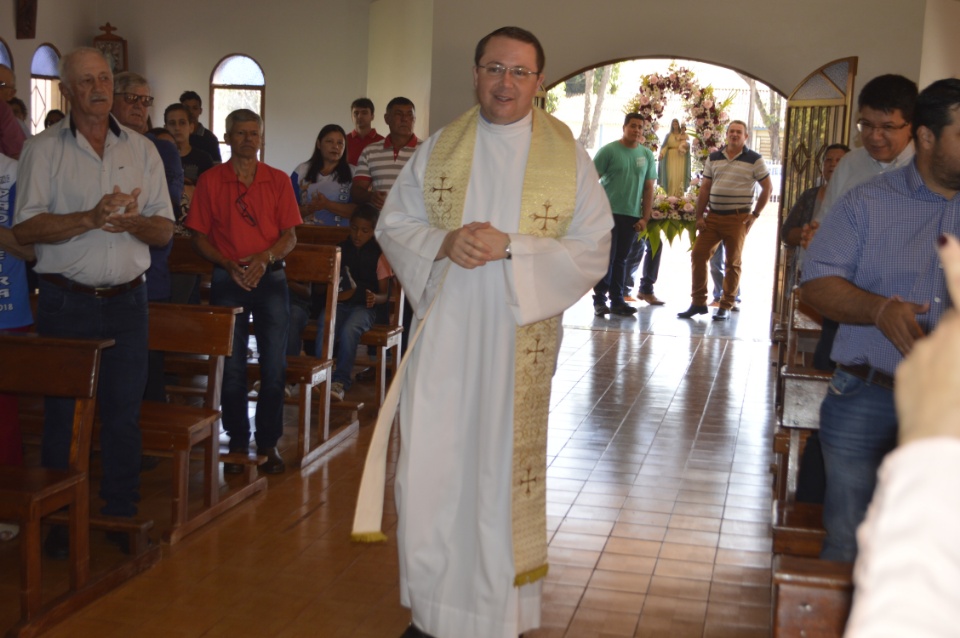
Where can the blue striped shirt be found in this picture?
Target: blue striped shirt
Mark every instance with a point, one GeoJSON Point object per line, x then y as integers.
{"type": "Point", "coordinates": [881, 237]}
{"type": "Point", "coordinates": [732, 181]}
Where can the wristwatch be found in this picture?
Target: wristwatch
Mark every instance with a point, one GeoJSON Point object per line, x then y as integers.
{"type": "Point", "coordinates": [506, 249]}
{"type": "Point", "coordinates": [273, 259]}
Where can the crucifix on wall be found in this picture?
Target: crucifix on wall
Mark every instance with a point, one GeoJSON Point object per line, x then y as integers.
{"type": "Point", "coordinates": [26, 19]}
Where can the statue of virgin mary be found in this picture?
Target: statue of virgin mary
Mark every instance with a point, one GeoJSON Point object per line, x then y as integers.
{"type": "Point", "coordinates": [673, 173]}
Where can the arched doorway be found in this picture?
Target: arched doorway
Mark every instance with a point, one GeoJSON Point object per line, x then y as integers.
{"type": "Point", "coordinates": [762, 262]}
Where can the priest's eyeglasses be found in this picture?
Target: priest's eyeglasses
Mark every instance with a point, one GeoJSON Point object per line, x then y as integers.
{"type": "Point", "coordinates": [133, 98]}
{"type": "Point", "coordinates": [886, 130]}
{"type": "Point", "coordinates": [516, 72]}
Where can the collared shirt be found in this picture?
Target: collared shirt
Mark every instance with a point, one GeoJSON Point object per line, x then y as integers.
{"type": "Point", "coordinates": [881, 237]}
{"type": "Point", "coordinates": [380, 164]}
{"type": "Point", "coordinates": [356, 144]}
{"type": "Point", "coordinates": [733, 180]}
{"type": "Point", "coordinates": [854, 169]}
{"type": "Point", "coordinates": [61, 173]}
{"type": "Point", "coordinates": [222, 207]}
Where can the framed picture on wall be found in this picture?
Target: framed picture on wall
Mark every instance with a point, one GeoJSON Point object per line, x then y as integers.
{"type": "Point", "coordinates": [113, 47]}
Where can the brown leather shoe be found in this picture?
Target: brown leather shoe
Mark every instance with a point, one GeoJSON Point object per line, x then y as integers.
{"type": "Point", "coordinates": [274, 463]}
{"type": "Point", "coordinates": [651, 299]}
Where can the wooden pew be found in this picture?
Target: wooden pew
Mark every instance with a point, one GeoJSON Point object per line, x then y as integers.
{"type": "Point", "coordinates": [176, 430]}
{"type": "Point", "coordinates": [811, 597]}
{"type": "Point", "coordinates": [308, 263]}
{"type": "Point", "coordinates": [384, 337]}
{"type": "Point", "coordinates": [321, 235]}
{"type": "Point", "coordinates": [65, 368]}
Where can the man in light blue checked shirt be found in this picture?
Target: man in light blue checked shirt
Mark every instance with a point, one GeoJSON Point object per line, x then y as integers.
{"type": "Point", "coordinates": [873, 267]}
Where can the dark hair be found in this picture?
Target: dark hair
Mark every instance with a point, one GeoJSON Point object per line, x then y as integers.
{"type": "Point", "coordinates": [888, 93]}
{"type": "Point", "coordinates": [176, 106]}
{"type": "Point", "coordinates": [399, 101]}
{"type": "Point", "coordinates": [837, 147]}
{"type": "Point", "coordinates": [362, 103]}
{"type": "Point", "coordinates": [191, 95]}
{"type": "Point", "coordinates": [934, 106]}
{"type": "Point", "coordinates": [158, 131]}
{"type": "Point", "coordinates": [514, 33]}
{"type": "Point", "coordinates": [741, 123]}
{"type": "Point", "coordinates": [50, 115]}
{"type": "Point", "coordinates": [631, 116]}
{"type": "Point", "coordinates": [366, 212]}
{"type": "Point", "coordinates": [18, 102]}
{"type": "Point", "coordinates": [344, 175]}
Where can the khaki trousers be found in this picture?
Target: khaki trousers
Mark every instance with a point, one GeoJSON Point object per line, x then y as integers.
{"type": "Point", "coordinates": [732, 231]}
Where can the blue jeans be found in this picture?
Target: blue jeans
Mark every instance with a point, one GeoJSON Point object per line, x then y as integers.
{"type": "Point", "coordinates": [299, 317]}
{"type": "Point", "coordinates": [717, 272]}
{"type": "Point", "coordinates": [614, 283]}
{"type": "Point", "coordinates": [858, 427]}
{"type": "Point", "coordinates": [651, 266]}
{"type": "Point", "coordinates": [123, 377]}
{"type": "Point", "coordinates": [270, 307]}
{"type": "Point", "coordinates": [351, 322]}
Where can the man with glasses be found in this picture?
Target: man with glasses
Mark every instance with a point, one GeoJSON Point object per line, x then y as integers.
{"type": "Point", "coordinates": [380, 164]}
{"type": "Point", "coordinates": [885, 112]}
{"type": "Point", "coordinates": [499, 221]}
{"type": "Point", "coordinates": [873, 268]}
{"type": "Point", "coordinates": [243, 217]}
{"type": "Point", "coordinates": [92, 200]}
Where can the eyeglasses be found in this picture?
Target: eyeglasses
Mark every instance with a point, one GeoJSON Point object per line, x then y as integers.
{"type": "Point", "coordinates": [516, 72]}
{"type": "Point", "coordinates": [245, 211]}
{"type": "Point", "coordinates": [133, 98]}
{"type": "Point", "coordinates": [887, 130]}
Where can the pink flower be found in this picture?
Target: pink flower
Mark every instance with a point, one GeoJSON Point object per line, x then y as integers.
{"type": "Point", "coordinates": [708, 104]}
{"type": "Point", "coordinates": [671, 200]}
{"type": "Point", "coordinates": [712, 149]}
{"type": "Point", "coordinates": [644, 99]}
{"type": "Point", "coordinates": [688, 207]}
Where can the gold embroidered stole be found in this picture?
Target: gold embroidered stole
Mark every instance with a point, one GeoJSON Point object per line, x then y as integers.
{"type": "Point", "coordinates": [546, 209]}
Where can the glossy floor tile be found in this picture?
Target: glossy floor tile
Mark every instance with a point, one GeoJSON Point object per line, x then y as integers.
{"type": "Point", "coordinates": [658, 513]}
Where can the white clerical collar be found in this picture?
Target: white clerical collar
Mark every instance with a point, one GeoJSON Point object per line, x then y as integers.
{"type": "Point", "coordinates": [524, 122]}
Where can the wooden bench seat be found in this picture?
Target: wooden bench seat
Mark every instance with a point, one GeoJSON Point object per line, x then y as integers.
{"type": "Point", "coordinates": [811, 597]}
{"type": "Point", "coordinates": [308, 263]}
{"type": "Point", "coordinates": [66, 368]}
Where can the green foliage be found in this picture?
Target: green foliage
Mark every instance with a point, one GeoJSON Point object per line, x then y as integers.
{"type": "Point", "coordinates": [553, 99]}
{"type": "Point", "coordinates": [578, 83]}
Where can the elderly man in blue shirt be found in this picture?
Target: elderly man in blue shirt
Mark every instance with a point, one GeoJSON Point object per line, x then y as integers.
{"type": "Point", "coordinates": [884, 305]}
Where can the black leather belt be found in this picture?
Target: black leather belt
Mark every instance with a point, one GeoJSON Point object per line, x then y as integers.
{"type": "Point", "coordinates": [869, 374]}
{"type": "Point", "coordinates": [94, 291]}
{"type": "Point", "coordinates": [735, 211]}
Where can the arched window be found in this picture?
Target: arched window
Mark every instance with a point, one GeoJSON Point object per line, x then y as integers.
{"type": "Point", "coordinates": [44, 85]}
{"type": "Point", "coordinates": [237, 83]}
{"type": "Point", "coordinates": [5, 57]}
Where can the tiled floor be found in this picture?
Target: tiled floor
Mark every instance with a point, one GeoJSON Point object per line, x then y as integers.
{"type": "Point", "coordinates": [658, 506]}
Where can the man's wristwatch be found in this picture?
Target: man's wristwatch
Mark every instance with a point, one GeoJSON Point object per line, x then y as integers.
{"type": "Point", "coordinates": [272, 259]}
{"type": "Point", "coordinates": [755, 213]}
{"type": "Point", "coordinates": [507, 250]}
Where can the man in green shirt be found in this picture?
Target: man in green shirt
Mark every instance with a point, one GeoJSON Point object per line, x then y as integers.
{"type": "Point", "coordinates": [627, 172]}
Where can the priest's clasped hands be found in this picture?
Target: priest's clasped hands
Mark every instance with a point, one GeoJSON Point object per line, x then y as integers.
{"type": "Point", "coordinates": [474, 245]}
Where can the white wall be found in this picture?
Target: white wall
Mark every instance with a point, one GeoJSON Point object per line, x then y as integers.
{"type": "Point", "coordinates": [63, 23]}
{"type": "Point", "coordinates": [401, 42]}
{"type": "Point", "coordinates": [778, 42]}
{"type": "Point", "coordinates": [941, 46]}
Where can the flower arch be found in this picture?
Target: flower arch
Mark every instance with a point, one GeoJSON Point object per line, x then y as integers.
{"type": "Point", "coordinates": [707, 113]}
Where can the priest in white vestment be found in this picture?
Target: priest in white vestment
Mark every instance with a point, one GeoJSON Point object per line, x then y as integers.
{"type": "Point", "coordinates": [458, 477]}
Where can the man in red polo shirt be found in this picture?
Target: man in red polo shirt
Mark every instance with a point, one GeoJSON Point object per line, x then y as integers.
{"type": "Point", "coordinates": [363, 133]}
{"type": "Point", "coordinates": [243, 216]}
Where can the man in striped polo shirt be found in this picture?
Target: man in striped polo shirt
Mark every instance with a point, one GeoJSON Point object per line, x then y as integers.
{"type": "Point", "coordinates": [380, 164]}
{"type": "Point", "coordinates": [728, 187]}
